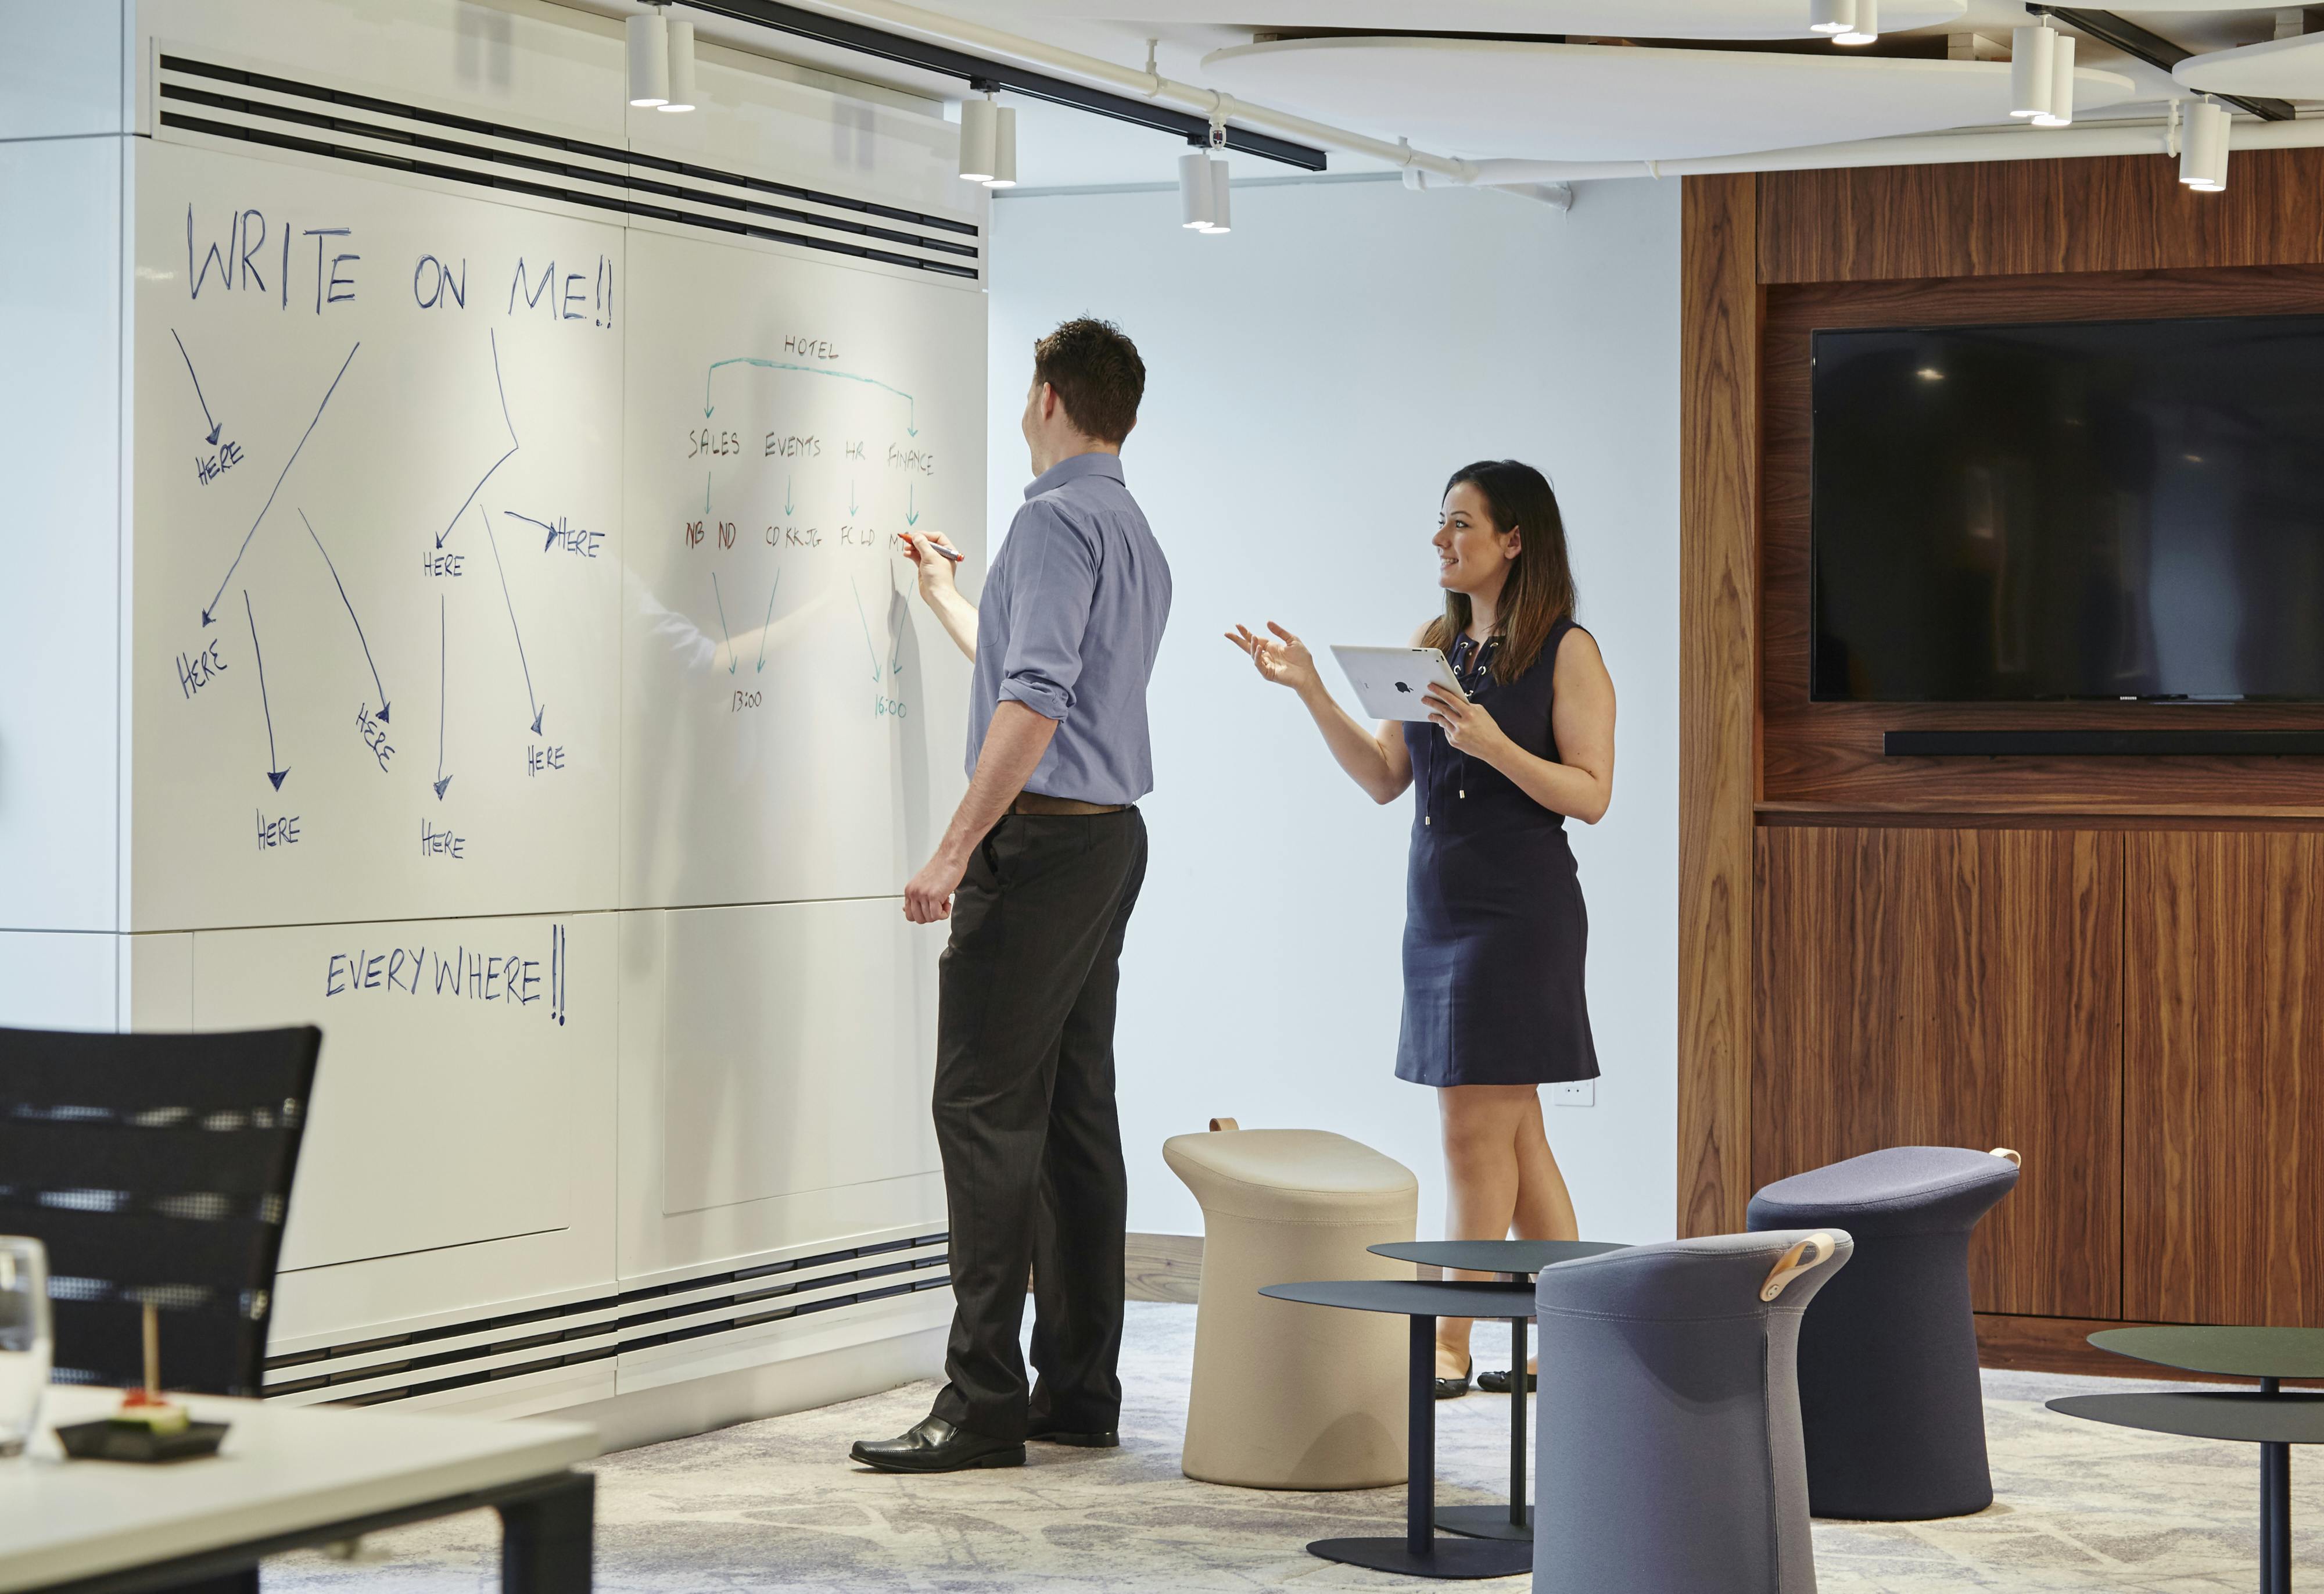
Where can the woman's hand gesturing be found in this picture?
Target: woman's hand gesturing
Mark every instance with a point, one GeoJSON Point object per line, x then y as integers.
{"type": "Point", "coordinates": [1282, 658]}
{"type": "Point", "coordinates": [1467, 725]}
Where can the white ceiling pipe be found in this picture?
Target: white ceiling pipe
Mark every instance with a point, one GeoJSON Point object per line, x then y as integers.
{"type": "Point", "coordinates": [2084, 140]}
{"type": "Point", "coordinates": [1189, 97]}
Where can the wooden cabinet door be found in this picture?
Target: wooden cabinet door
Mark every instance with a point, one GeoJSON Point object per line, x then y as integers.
{"type": "Point", "coordinates": [2223, 1066]}
{"type": "Point", "coordinates": [1953, 988]}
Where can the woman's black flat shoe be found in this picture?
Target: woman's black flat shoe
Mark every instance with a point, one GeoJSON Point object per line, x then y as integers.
{"type": "Point", "coordinates": [1498, 1381]}
{"type": "Point", "coordinates": [1455, 1388]}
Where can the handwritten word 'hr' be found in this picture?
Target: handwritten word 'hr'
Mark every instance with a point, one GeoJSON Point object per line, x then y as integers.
{"type": "Point", "coordinates": [505, 977]}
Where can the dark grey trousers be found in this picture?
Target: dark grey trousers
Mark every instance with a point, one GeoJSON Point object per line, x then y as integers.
{"type": "Point", "coordinates": [1025, 1118]}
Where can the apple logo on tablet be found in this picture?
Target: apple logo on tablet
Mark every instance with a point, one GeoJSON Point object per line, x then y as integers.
{"type": "Point", "coordinates": [1402, 688]}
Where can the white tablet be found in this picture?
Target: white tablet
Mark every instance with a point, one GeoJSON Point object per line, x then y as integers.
{"type": "Point", "coordinates": [1391, 680]}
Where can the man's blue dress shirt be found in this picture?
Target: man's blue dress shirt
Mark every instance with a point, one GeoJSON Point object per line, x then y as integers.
{"type": "Point", "coordinates": [1069, 624]}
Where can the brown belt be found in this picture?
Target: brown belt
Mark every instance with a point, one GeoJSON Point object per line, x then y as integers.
{"type": "Point", "coordinates": [1033, 803]}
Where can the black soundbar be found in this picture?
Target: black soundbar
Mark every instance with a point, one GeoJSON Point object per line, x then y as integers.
{"type": "Point", "coordinates": [2103, 744]}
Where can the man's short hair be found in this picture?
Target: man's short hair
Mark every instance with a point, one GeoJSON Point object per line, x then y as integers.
{"type": "Point", "coordinates": [1096, 375]}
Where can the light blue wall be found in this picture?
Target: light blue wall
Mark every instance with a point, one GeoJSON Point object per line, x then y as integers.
{"type": "Point", "coordinates": [1312, 378]}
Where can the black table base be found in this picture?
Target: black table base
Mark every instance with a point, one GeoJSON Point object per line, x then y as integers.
{"type": "Point", "coordinates": [1513, 1521]}
{"type": "Point", "coordinates": [1485, 1522]}
{"type": "Point", "coordinates": [1420, 1553]}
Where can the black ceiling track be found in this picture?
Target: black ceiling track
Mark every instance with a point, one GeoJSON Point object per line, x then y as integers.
{"type": "Point", "coordinates": [971, 69]}
{"type": "Point", "coordinates": [2155, 49]}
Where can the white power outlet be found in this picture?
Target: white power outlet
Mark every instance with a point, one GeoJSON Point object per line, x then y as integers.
{"type": "Point", "coordinates": [1574, 1093]}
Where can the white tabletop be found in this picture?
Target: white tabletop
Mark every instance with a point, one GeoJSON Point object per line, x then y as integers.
{"type": "Point", "coordinates": [282, 1469]}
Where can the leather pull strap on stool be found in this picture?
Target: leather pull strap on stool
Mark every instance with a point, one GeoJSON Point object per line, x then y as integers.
{"type": "Point", "coordinates": [1669, 1456]}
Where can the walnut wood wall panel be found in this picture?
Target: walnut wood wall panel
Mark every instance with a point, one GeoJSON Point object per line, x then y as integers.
{"type": "Point", "coordinates": [2223, 1079]}
{"type": "Point", "coordinates": [1953, 988]}
{"type": "Point", "coordinates": [1831, 753]}
{"type": "Point", "coordinates": [1718, 669]}
{"type": "Point", "coordinates": [2019, 217]}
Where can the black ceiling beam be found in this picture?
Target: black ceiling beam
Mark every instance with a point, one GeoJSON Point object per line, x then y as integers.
{"type": "Point", "coordinates": [2153, 48]}
{"type": "Point", "coordinates": [843, 34]}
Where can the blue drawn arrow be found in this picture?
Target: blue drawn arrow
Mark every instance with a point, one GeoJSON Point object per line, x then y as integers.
{"type": "Point", "coordinates": [502, 388]}
{"type": "Point", "coordinates": [217, 425]}
{"type": "Point", "coordinates": [911, 500]}
{"type": "Point", "coordinates": [495, 542]}
{"type": "Point", "coordinates": [442, 780]}
{"type": "Point", "coordinates": [771, 620]}
{"type": "Point", "coordinates": [210, 610]}
{"type": "Point", "coordinates": [342, 585]}
{"type": "Point", "coordinates": [542, 524]}
{"type": "Point", "coordinates": [867, 627]}
{"type": "Point", "coordinates": [273, 772]}
{"type": "Point", "coordinates": [911, 417]}
{"type": "Point", "coordinates": [851, 495]}
{"type": "Point", "coordinates": [722, 631]}
{"type": "Point", "coordinates": [788, 507]}
{"type": "Point", "coordinates": [705, 494]}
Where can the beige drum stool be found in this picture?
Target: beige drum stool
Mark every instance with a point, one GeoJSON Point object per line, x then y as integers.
{"type": "Point", "coordinates": [1284, 1396]}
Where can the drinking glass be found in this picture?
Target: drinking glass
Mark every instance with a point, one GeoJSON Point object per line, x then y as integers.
{"type": "Point", "coordinates": [24, 1345]}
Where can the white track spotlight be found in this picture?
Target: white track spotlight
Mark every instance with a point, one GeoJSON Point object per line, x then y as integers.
{"type": "Point", "coordinates": [2199, 147]}
{"type": "Point", "coordinates": [1004, 148]}
{"type": "Point", "coordinates": [1867, 28]}
{"type": "Point", "coordinates": [681, 64]}
{"type": "Point", "coordinates": [2203, 151]}
{"type": "Point", "coordinates": [1196, 190]}
{"type": "Point", "coordinates": [2033, 70]}
{"type": "Point", "coordinates": [1832, 16]}
{"type": "Point", "coordinates": [2061, 112]}
{"type": "Point", "coordinates": [648, 38]}
{"type": "Point", "coordinates": [1221, 198]}
{"type": "Point", "coordinates": [980, 134]}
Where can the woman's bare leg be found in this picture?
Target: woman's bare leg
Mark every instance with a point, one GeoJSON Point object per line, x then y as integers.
{"type": "Point", "coordinates": [1483, 1177]}
{"type": "Point", "coordinates": [1545, 1210]}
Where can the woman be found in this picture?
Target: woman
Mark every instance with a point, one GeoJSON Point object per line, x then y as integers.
{"type": "Point", "coordinates": [1494, 924]}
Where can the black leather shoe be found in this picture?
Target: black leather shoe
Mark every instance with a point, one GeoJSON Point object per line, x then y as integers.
{"type": "Point", "coordinates": [1107, 1440]}
{"type": "Point", "coordinates": [935, 1445]}
{"type": "Point", "coordinates": [1498, 1381]}
{"type": "Point", "coordinates": [1455, 1388]}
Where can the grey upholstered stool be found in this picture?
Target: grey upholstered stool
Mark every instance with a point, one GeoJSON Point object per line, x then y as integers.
{"type": "Point", "coordinates": [1670, 1423]}
{"type": "Point", "coordinates": [1889, 1396]}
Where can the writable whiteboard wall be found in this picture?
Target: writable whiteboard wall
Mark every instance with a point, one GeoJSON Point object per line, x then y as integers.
{"type": "Point", "coordinates": [463, 656]}
{"type": "Point", "coordinates": [793, 711]}
{"type": "Point", "coordinates": [377, 591]}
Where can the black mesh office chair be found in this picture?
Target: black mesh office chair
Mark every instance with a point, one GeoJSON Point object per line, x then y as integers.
{"type": "Point", "coordinates": [155, 1167]}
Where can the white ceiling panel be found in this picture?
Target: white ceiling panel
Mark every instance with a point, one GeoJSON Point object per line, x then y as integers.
{"type": "Point", "coordinates": [2286, 69]}
{"type": "Point", "coordinates": [1632, 19]}
{"type": "Point", "coordinates": [1583, 102]}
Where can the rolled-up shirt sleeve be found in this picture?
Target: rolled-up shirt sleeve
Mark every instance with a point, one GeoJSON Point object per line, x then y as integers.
{"type": "Point", "coordinates": [1055, 582]}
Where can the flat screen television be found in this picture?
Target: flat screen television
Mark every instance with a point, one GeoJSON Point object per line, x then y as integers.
{"type": "Point", "coordinates": [2070, 511]}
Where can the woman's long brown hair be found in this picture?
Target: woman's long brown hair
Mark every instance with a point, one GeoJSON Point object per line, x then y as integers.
{"type": "Point", "coordinates": [1539, 591]}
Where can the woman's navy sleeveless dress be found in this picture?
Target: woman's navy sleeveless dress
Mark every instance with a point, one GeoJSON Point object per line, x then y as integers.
{"type": "Point", "coordinates": [1495, 932]}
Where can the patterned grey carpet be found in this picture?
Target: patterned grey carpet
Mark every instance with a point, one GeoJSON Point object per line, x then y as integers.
{"type": "Point", "coordinates": [776, 1506]}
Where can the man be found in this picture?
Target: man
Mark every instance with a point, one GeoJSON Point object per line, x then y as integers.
{"type": "Point", "coordinates": [1045, 856]}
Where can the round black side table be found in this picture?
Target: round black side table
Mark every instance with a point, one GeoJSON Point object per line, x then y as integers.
{"type": "Point", "coordinates": [1420, 1553]}
{"type": "Point", "coordinates": [1519, 1260]}
{"type": "Point", "coordinates": [2268, 1417]}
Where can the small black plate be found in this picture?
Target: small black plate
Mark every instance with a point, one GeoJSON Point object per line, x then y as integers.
{"type": "Point", "coordinates": [102, 1441]}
